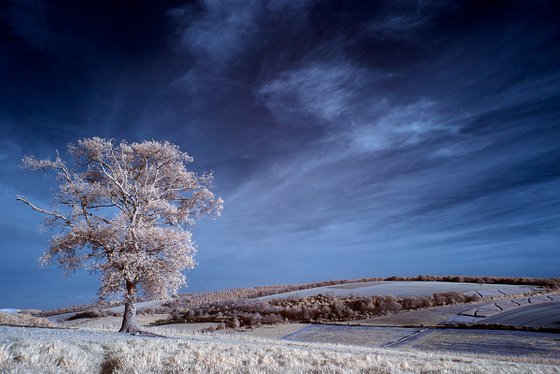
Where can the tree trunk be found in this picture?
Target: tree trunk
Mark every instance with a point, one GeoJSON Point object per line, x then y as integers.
{"type": "Point", "coordinates": [129, 323]}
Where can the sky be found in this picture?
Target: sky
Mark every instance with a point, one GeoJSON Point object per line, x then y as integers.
{"type": "Point", "coordinates": [347, 139]}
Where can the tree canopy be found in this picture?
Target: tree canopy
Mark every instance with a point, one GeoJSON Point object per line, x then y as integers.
{"type": "Point", "coordinates": [124, 210]}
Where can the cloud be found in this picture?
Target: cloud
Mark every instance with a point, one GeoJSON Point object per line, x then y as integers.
{"type": "Point", "coordinates": [403, 20]}
{"type": "Point", "coordinates": [324, 91]}
{"type": "Point", "coordinates": [224, 29]}
{"type": "Point", "coordinates": [27, 20]}
{"type": "Point", "coordinates": [400, 126]}
{"type": "Point", "coordinates": [420, 135]}
{"type": "Point", "coordinates": [348, 100]}
{"type": "Point", "coordinates": [400, 26]}
{"type": "Point", "coordinates": [219, 34]}
{"type": "Point", "coordinates": [460, 148]}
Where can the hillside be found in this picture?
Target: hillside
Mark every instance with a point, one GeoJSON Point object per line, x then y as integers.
{"type": "Point", "coordinates": [80, 351]}
{"type": "Point", "coordinates": [384, 325]}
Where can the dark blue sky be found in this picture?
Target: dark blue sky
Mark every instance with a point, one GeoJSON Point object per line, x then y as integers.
{"type": "Point", "coordinates": [348, 139]}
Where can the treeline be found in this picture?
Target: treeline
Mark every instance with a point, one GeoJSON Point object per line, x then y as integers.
{"type": "Point", "coordinates": [550, 283]}
{"type": "Point", "coordinates": [237, 313]}
{"type": "Point", "coordinates": [94, 313]}
{"type": "Point", "coordinates": [198, 299]}
{"type": "Point", "coordinates": [77, 308]}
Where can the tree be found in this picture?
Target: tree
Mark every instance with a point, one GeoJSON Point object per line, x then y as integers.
{"type": "Point", "coordinates": [124, 211]}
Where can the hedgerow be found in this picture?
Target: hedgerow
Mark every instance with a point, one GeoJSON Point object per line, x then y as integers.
{"type": "Point", "coordinates": [251, 313]}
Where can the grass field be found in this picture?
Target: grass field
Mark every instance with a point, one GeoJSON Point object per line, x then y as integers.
{"type": "Point", "coordinates": [484, 342]}
{"type": "Point", "coordinates": [28, 350]}
{"type": "Point", "coordinates": [89, 345]}
{"type": "Point", "coordinates": [403, 288]}
{"type": "Point", "coordinates": [23, 319]}
{"type": "Point", "coordinates": [539, 315]}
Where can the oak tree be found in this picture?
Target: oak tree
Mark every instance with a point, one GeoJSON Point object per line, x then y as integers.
{"type": "Point", "coordinates": [124, 210]}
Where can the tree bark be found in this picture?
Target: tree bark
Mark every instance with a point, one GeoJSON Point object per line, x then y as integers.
{"type": "Point", "coordinates": [129, 322]}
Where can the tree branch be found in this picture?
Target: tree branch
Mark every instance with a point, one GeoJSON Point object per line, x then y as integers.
{"type": "Point", "coordinates": [102, 206]}
{"type": "Point", "coordinates": [103, 164]}
{"type": "Point", "coordinates": [64, 169]}
{"type": "Point", "coordinates": [48, 212]}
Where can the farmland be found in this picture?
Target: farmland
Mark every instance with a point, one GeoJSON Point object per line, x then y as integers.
{"type": "Point", "coordinates": [81, 351]}
{"type": "Point", "coordinates": [473, 341]}
{"type": "Point", "coordinates": [495, 324]}
{"type": "Point", "coordinates": [539, 315]}
{"type": "Point", "coordinates": [402, 289]}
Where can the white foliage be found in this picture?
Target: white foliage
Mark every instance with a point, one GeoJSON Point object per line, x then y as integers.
{"type": "Point", "coordinates": [125, 210]}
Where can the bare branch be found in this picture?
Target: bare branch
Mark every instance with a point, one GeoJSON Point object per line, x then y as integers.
{"type": "Point", "coordinates": [112, 205]}
{"type": "Point", "coordinates": [64, 169]}
{"type": "Point", "coordinates": [48, 212]}
{"type": "Point", "coordinates": [104, 166]}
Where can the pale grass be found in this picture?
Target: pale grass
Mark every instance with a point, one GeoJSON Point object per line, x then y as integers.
{"type": "Point", "coordinates": [176, 330]}
{"type": "Point", "coordinates": [20, 319]}
{"type": "Point", "coordinates": [223, 353]}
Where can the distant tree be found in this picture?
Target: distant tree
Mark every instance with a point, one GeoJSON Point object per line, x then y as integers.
{"type": "Point", "coordinates": [124, 210]}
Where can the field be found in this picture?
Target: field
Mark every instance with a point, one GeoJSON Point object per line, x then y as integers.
{"type": "Point", "coordinates": [539, 315]}
{"type": "Point", "coordinates": [78, 351]}
{"type": "Point", "coordinates": [484, 342]}
{"type": "Point", "coordinates": [422, 339]}
{"type": "Point", "coordinates": [401, 288]}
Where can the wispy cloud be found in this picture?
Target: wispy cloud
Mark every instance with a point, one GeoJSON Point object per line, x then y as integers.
{"type": "Point", "coordinates": [324, 91]}
{"type": "Point", "coordinates": [403, 20]}
{"type": "Point", "coordinates": [349, 100]}
{"type": "Point", "coordinates": [27, 20]}
{"type": "Point", "coordinates": [400, 126]}
{"type": "Point", "coordinates": [421, 135]}
{"type": "Point", "coordinates": [222, 30]}
{"type": "Point", "coordinates": [220, 33]}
